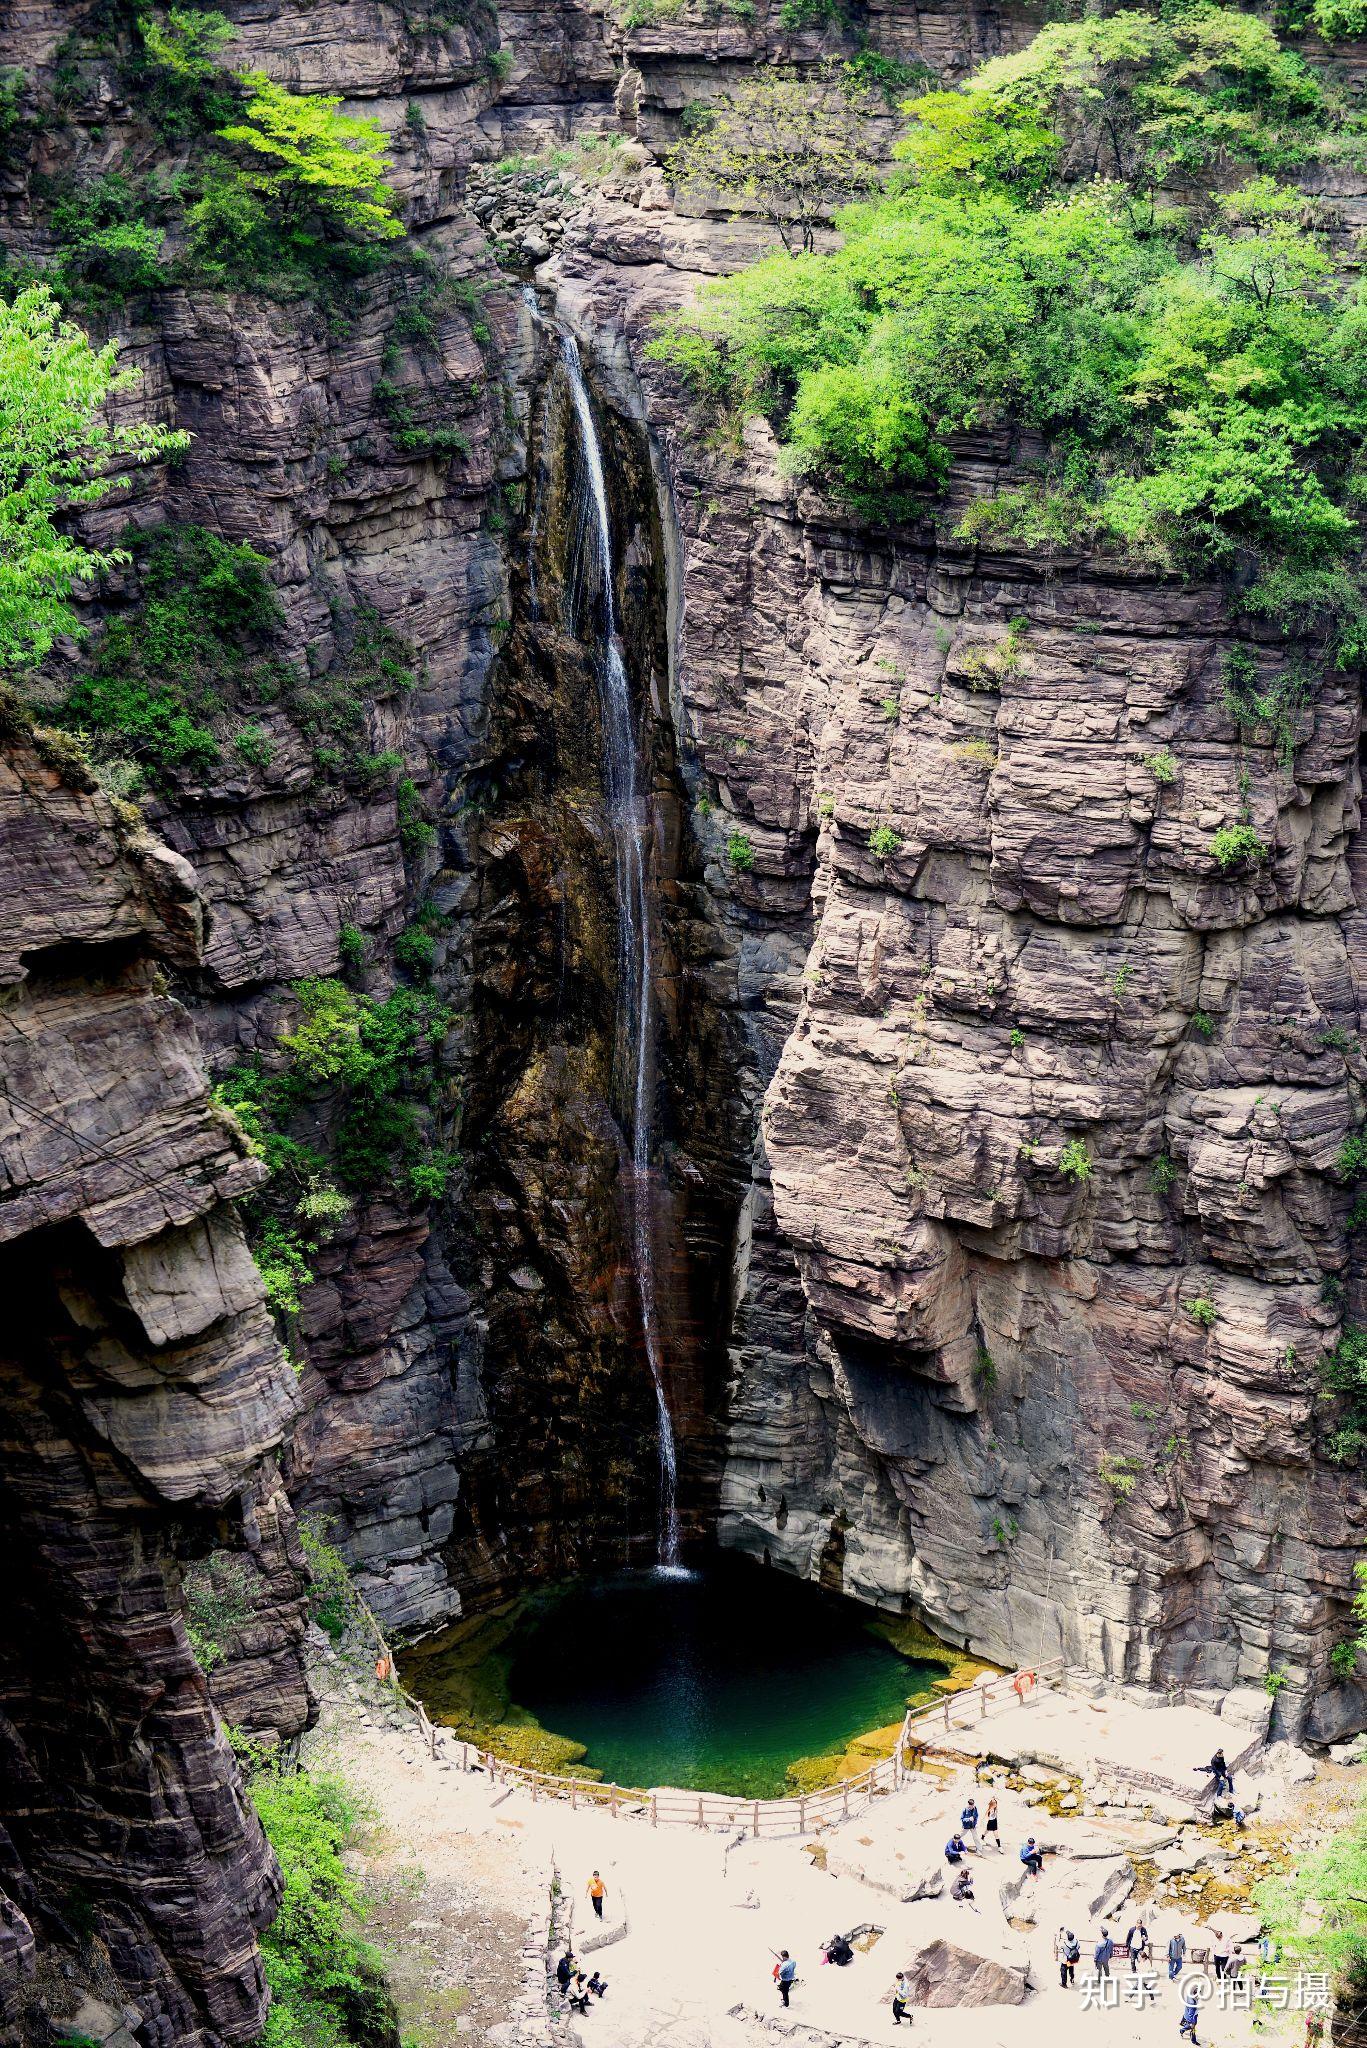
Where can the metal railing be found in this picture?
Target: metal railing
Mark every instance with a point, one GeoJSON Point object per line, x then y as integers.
{"type": "Point", "coordinates": [663, 1805]}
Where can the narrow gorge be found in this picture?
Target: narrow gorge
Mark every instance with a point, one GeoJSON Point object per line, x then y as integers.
{"type": "Point", "coordinates": [595, 988]}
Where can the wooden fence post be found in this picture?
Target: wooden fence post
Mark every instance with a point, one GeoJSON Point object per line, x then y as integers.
{"type": "Point", "coordinates": [654, 1815]}
{"type": "Point", "coordinates": [757, 1816]}
{"type": "Point", "coordinates": [700, 1809]}
{"type": "Point", "coordinates": [802, 1816]}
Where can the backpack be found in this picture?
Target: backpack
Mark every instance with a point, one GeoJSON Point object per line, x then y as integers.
{"type": "Point", "coordinates": [1071, 1952]}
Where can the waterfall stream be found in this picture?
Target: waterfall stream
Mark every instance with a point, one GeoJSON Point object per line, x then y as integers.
{"type": "Point", "coordinates": [595, 598]}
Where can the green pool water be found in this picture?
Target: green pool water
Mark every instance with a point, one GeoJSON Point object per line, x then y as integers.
{"type": "Point", "coordinates": [715, 1680]}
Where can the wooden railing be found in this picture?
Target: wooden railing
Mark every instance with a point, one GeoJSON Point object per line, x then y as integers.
{"type": "Point", "coordinates": [664, 1805]}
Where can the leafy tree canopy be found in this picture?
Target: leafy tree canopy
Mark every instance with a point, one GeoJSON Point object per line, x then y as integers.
{"type": "Point", "coordinates": [304, 158]}
{"type": "Point", "coordinates": [60, 451]}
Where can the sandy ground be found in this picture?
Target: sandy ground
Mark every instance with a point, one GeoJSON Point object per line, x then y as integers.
{"type": "Point", "coordinates": [462, 1871]}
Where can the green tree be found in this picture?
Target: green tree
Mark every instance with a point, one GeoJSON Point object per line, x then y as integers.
{"type": "Point", "coordinates": [790, 147]}
{"type": "Point", "coordinates": [59, 453]}
{"type": "Point", "coordinates": [1333, 1937]}
{"type": "Point", "coordinates": [316, 170]}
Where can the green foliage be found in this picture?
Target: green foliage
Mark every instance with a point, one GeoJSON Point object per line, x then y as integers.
{"type": "Point", "coordinates": [1162, 766]}
{"type": "Point", "coordinates": [1236, 846]}
{"type": "Point", "coordinates": [1075, 1161]}
{"type": "Point", "coordinates": [416, 830]}
{"type": "Point", "coordinates": [1198, 381]}
{"type": "Point", "coordinates": [332, 1598]}
{"type": "Point", "coordinates": [317, 171]}
{"type": "Point", "coordinates": [740, 852]}
{"type": "Point", "coordinates": [60, 452]}
{"type": "Point", "coordinates": [800, 14]}
{"type": "Point", "coordinates": [1271, 709]}
{"type": "Point", "coordinates": [985, 1369]}
{"type": "Point", "coordinates": [177, 75]}
{"type": "Point", "coordinates": [1203, 1023]}
{"type": "Point", "coordinates": [107, 247]}
{"type": "Point", "coordinates": [1343, 1374]}
{"type": "Point", "coordinates": [788, 145]}
{"type": "Point", "coordinates": [415, 951]}
{"type": "Point", "coordinates": [1343, 1659]}
{"type": "Point", "coordinates": [1331, 1934]}
{"type": "Point", "coordinates": [379, 1058]}
{"type": "Point", "coordinates": [284, 1269]}
{"type": "Point", "coordinates": [871, 72]}
{"type": "Point", "coordinates": [1017, 1038]}
{"type": "Point", "coordinates": [218, 1600]}
{"type": "Point", "coordinates": [1336, 18]}
{"type": "Point", "coordinates": [351, 945]}
{"type": "Point", "coordinates": [884, 842]}
{"type": "Point", "coordinates": [1162, 1174]}
{"type": "Point", "coordinates": [327, 1984]}
{"type": "Point", "coordinates": [1274, 1679]}
{"type": "Point", "coordinates": [1119, 1472]}
{"type": "Point", "coordinates": [1202, 1311]}
{"type": "Point", "coordinates": [166, 672]}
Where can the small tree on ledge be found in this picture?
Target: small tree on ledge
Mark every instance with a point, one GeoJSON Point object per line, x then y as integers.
{"type": "Point", "coordinates": [792, 147]}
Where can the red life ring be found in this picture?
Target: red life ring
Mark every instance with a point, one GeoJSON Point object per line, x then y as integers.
{"type": "Point", "coordinates": [1022, 1683]}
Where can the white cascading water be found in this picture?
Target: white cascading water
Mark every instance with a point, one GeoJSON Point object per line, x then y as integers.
{"type": "Point", "coordinates": [635, 986]}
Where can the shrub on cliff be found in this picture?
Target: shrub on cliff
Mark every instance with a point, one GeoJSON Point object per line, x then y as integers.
{"type": "Point", "coordinates": [326, 1981]}
{"type": "Point", "coordinates": [1197, 373]}
{"type": "Point", "coordinates": [59, 452]}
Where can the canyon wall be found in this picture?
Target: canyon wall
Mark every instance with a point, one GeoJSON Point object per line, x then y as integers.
{"type": "Point", "coordinates": [909, 1357]}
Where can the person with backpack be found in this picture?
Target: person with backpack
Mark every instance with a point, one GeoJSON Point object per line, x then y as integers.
{"type": "Point", "coordinates": [968, 1822]}
{"type": "Point", "coordinates": [1068, 1954]}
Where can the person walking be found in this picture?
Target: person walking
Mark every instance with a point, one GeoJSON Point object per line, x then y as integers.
{"type": "Point", "coordinates": [901, 1993]}
{"type": "Point", "coordinates": [1136, 1943]}
{"type": "Point", "coordinates": [1102, 1953]}
{"type": "Point", "coordinates": [1177, 1955]}
{"type": "Point", "coordinates": [786, 1974]}
{"type": "Point", "coordinates": [1067, 1953]}
{"type": "Point", "coordinates": [1189, 2018]}
{"type": "Point", "coordinates": [597, 1892]}
{"type": "Point", "coordinates": [1219, 1955]}
{"type": "Point", "coordinates": [968, 1822]}
{"type": "Point", "coordinates": [993, 1827]}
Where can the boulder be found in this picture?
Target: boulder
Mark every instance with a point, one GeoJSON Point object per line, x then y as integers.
{"type": "Point", "coordinates": [1250, 1707]}
{"type": "Point", "coordinates": [943, 1973]}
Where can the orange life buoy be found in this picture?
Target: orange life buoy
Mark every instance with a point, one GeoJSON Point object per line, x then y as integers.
{"type": "Point", "coordinates": [1022, 1683]}
{"type": "Point", "coordinates": [382, 1669]}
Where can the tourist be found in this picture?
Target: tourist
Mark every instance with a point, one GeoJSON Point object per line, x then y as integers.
{"type": "Point", "coordinates": [901, 1993]}
{"type": "Point", "coordinates": [993, 1827]}
{"type": "Point", "coordinates": [564, 1970]}
{"type": "Point", "coordinates": [968, 1822]}
{"type": "Point", "coordinates": [597, 1891]}
{"type": "Point", "coordinates": [1219, 1771]}
{"type": "Point", "coordinates": [1032, 1857]}
{"type": "Point", "coordinates": [1102, 1953]}
{"type": "Point", "coordinates": [1177, 1955]}
{"type": "Point", "coordinates": [1067, 1954]}
{"type": "Point", "coordinates": [598, 1985]}
{"type": "Point", "coordinates": [838, 1951]}
{"type": "Point", "coordinates": [785, 1975]}
{"type": "Point", "coordinates": [579, 1995]}
{"type": "Point", "coordinates": [956, 1848]}
{"type": "Point", "coordinates": [1136, 1945]}
{"type": "Point", "coordinates": [1220, 1953]}
{"type": "Point", "coordinates": [962, 1894]}
{"type": "Point", "coordinates": [1189, 2016]}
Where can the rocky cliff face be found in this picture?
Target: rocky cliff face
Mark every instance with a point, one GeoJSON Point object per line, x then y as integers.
{"type": "Point", "coordinates": [963, 1380]}
{"type": "Point", "coordinates": [145, 1400]}
{"type": "Point", "coordinates": [909, 1356]}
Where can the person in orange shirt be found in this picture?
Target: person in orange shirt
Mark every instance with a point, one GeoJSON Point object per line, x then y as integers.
{"type": "Point", "coordinates": [597, 1891]}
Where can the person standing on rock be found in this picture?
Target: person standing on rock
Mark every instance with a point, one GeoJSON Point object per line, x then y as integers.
{"type": "Point", "coordinates": [1067, 1954]}
{"type": "Point", "coordinates": [1102, 1953]}
{"type": "Point", "coordinates": [597, 1892]}
{"type": "Point", "coordinates": [1220, 1953]}
{"type": "Point", "coordinates": [993, 1827]}
{"type": "Point", "coordinates": [786, 1975]}
{"type": "Point", "coordinates": [901, 1992]}
{"type": "Point", "coordinates": [1177, 1955]}
{"type": "Point", "coordinates": [968, 1822]}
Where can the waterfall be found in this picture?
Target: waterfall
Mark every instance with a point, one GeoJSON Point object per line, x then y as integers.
{"type": "Point", "coordinates": [597, 596]}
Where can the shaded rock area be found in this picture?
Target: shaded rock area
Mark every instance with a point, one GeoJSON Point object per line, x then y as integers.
{"type": "Point", "coordinates": [945, 1973]}
{"type": "Point", "coordinates": [145, 1399]}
